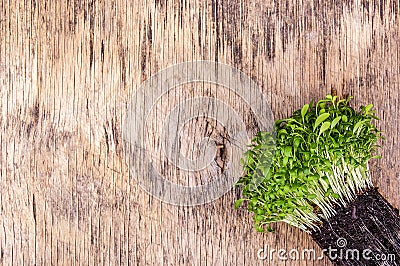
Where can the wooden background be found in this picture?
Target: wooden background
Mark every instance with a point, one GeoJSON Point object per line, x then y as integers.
{"type": "Point", "coordinates": [68, 70]}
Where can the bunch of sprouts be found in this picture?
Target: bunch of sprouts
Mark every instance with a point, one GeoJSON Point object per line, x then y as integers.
{"type": "Point", "coordinates": [319, 161]}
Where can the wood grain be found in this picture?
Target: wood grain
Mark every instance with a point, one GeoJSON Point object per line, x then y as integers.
{"type": "Point", "coordinates": [68, 70]}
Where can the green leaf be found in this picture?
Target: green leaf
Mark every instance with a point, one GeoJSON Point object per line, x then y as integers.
{"type": "Point", "coordinates": [335, 121]}
{"type": "Point", "coordinates": [259, 228]}
{"type": "Point", "coordinates": [321, 118]}
{"type": "Point", "coordinates": [282, 132]}
{"type": "Point", "coordinates": [335, 196]}
{"type": "Point", "coordinates": [258, 218]}
{"type": "Point", "coordinates": [296, 142]}
{"type": "Point", "coordinates": [285, 161]}
{"type": "Point", "coordinates": [311, 196]}
{"type": "Point", "coordinates": [324, 127]}
{"type": "Point", "coordinates": [260, 211]}
{"type": "Point", "coordinates": [357, 126]}
{"type": "Point", "coordinates": [368, 107]}
{"type": "Point", "coordinates": [327, 194]}
{"type": "Point", "coordinates": [286, 189]}
{"type": "Point", "coordinates": [287, 151]}
{"type": "Point", "coordinates": [238, 203]}
{"type": "Point", "coordinates": [312, 178]}
{"type": "Point", "coordinates": [304, 110]}
{"type": "Point", "coordinates": [304, 189]}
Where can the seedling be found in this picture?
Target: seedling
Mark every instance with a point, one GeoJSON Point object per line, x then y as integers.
{"type": "Point", "coordinates": [318, 167]}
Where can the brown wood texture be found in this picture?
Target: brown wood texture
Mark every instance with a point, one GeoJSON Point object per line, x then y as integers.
{"type": "Point", "coordinates": [69, 68]}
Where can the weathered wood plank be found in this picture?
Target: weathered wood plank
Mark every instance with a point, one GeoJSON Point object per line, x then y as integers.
{"type": "Point", "coordinates": [68, 70]}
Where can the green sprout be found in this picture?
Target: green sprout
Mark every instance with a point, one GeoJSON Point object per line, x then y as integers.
{"type": "Point", "coordinates": [319, 162]}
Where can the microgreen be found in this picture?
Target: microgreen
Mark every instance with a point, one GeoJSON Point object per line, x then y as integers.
{"type": "Point", "coordinates": [319, 161]}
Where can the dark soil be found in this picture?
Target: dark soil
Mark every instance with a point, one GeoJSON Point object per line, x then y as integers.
{"type": "Point", "coordinates": [367, 232]}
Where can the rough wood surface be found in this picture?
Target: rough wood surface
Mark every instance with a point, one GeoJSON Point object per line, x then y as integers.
{"type": "Point", "coordinates": [68, 70]}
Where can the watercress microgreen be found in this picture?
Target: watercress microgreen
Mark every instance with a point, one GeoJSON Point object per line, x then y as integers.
{"type": "Point", "coordinates": [319, 160]}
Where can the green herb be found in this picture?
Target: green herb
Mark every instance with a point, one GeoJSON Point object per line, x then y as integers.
{"type": "Point", "coordinates": [317, 160]}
